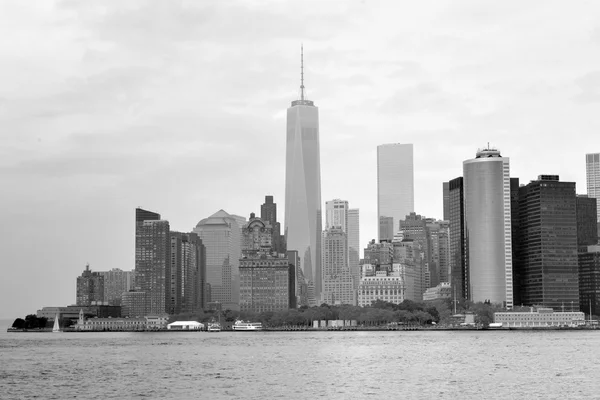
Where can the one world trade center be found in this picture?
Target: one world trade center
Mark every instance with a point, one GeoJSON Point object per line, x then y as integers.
{"type": "Point", "coordinates": [303, 188]}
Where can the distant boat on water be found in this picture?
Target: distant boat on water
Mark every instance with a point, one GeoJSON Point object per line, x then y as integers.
{"type": "Point", "coordinates": [247, 326]}
{"type": "Point", "coordinates": [56, 327]}
{"type": "Point", "coordinates": [214, 327]}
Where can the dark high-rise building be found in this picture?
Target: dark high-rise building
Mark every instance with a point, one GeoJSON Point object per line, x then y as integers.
{"type": "Point", "coordinates": [589, 280]}
{"type": "Point", "coordinates": [547, 256]}
{"type": "Point", "coordinates": [589, 255]}
{"type": "Point", "coordinates": [459, 274]}
{"type": "Point", "coordinates": [188, 270]}
{"type": "Point", "coordinates": [268, 212]}
{"type": "Point", "coordinates": [446, 200]}
{"type": "Point", "coordinates": [90, 288]}
{"type": "Point", "coordinates": [152, 259]}
{"type": "Point", "coordinates": [303, 187]}
{"type": "Point", "coordinates": [587, 233]}
{"type": "Point", "coordinates": [514, 214]}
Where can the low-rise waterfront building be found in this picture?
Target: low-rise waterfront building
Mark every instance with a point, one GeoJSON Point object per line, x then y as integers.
{"type": "Point", "coordinates": [154, 322]}
{"type": "Point", "coordinates": [540, 317]}
{"type": "Point", "coordinates": [383, 286]}
{"type": "Point", "coordinates": [185, 326]}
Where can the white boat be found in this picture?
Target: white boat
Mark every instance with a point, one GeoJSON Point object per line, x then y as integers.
{"type": "Point", "coordinates": [56, 327]}
{"type": "Point", "coordinates": [214, 327]}
{"type": "Point", "coordinates": [247, 326]}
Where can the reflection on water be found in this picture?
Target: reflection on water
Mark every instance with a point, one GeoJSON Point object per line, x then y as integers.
{"type": "Point", "coordinates": [413, 365]}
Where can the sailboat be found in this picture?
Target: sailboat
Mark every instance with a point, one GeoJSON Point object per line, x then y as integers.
{"type": "Point", "coordinates": [56, 327]}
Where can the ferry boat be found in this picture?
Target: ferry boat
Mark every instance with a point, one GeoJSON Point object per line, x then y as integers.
{"type": "Point", "coordinates": [247, 326]}
{"type": "Point", "coordinates": [214, 327]}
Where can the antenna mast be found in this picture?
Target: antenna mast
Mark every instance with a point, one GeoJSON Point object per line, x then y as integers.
{"type": "Point", "coordinates": [302, 72]}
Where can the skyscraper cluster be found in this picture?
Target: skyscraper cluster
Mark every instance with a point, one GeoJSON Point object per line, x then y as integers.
{"type": "Point", "coordinates": [521, 244]}
{"type": "Point", "coordinates": [498, 242]}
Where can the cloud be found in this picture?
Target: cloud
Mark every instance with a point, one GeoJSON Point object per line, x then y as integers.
{"type": "Point", "coordinates": [589, 85]}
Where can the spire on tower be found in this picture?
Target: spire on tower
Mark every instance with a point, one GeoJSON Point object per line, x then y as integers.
{"type": "Point", "coordinates": [303, 99]}
{"type": "Point", "coordinates": [302, 72]}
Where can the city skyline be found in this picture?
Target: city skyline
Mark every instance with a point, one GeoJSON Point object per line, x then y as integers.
{"type": "Point", "coordinates": [92, 133]}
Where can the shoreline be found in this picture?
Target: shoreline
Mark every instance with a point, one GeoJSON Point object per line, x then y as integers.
{"type": "Point", "coordinates": [307, 330]}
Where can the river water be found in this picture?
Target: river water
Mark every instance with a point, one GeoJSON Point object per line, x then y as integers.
{"type": "Point", "coordinates": [300, 365]}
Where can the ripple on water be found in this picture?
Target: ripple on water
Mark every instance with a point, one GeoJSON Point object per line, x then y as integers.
{"type": "Point", "coordinates": [301, 365]}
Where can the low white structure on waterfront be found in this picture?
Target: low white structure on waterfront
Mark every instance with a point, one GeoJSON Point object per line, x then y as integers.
{"type": "Point", "coordinates": [541, 317]}
{"type": "Point", "coordinates": [185, 326]}
{"type": "Point", "coordinates": [151, 322]}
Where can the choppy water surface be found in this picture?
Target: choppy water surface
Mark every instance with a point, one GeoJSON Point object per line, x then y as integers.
{"type": "Point", "coordinates": [265, 365]}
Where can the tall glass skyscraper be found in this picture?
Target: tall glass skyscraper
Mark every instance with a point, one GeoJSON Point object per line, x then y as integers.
{"type": "Point", "coordinates": [303, 187]}
{"type": "Point", "coordinates": [592, 173]}
{"type": "Point", "coordinates": [488, 227]}
{"type": "Point", "coordinates": [395, 185]}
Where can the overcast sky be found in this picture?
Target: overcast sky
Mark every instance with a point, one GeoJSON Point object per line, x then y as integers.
{"type": "Point", "coordinates": [179, 107]}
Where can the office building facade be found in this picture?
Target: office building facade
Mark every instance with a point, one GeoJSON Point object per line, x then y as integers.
{"type": "Point", "coordinates": [488, 231]}
{"type": "Point", "coordinates": [547, 256]}
{"type": "Point", "coordinates": [336, 214]}
{"type": "Point", "coordinates": [354, 244]}
{"type": "Point", "coordinates": [446, 200]}
{"type": "Point", "coordinates": [90, 288]}
{"type": "Point", "coordinates": [589, 281]}
{"type": "Point", "coordinates": [459, 276]}
{"type": "Point", "coordinates": [395, 185]}
{"type": "Point", "coordinates": [338, 284]}
{"type": "Point", "coordinates": [587, 232]}
{"type": "Point", "coordinates": [187, 273]}
{"type": "Point", "coordinates": [592, 173]}
{"type": "Point", "coordinates": [117, 282]}
{"type": "Point", "coordinates": [152, 259]}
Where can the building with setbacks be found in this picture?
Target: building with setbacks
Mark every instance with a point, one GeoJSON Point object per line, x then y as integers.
{"type": "Point", "coordinates": [267, 278]}
{"type": "Point", "coordinates": [117, 282]}
{"type": "Point", "coordinates": [90, 288]}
